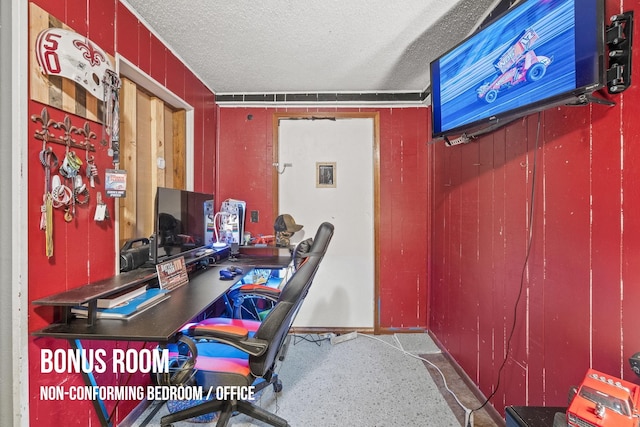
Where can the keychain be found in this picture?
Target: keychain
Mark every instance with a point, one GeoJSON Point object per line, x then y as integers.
{"type": "Point", "coordinates": [91, 168]}
{"type": "Point", "coordinates": [102, 212]}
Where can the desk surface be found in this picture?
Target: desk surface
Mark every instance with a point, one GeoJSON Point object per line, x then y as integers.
{"type": "Point", "coordinates": [160, 322]}
{"type": "Point", "coordinates": [257, 261]}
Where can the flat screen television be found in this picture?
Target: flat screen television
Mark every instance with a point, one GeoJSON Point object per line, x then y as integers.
{"type": "Point", "coordinates": [182, 219]}
{"type": "Point", "coordinates": [538, 54]}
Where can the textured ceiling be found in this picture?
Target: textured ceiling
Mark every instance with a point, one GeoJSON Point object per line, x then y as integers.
{"type": "Point", "coordinates": [269, 46]}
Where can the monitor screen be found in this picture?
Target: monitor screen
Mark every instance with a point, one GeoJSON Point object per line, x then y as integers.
{"type": "Point", "coordinates": [534, 55]}
{"type": "Point", "coordinates": [181, 222]}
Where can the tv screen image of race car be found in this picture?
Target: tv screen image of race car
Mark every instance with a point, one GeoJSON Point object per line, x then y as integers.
{"type": "Point", "coordinates": [528, 55]}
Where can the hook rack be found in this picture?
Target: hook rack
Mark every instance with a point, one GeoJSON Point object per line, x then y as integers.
{"type": "Point", "coordinates": [45, 134]}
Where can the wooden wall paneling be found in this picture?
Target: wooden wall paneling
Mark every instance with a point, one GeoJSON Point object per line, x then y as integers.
{"type": "Point", "coordinates": [38, 88]}
{"type": "Point", "coordinates": [84, 250]}
{"type": "Point", "coordinates": [68, 94]}
{"type": "Point", "coordinates": [144, 48]}
{"type": "Point", "coordinates": [44, 273]}
{"type": "Point", "coordinates": [148, 129]}
{"type": "Point", "coordinates": [469, 231]}
{"type": "Point", "coordinates": [437, 257]}
{"type": "Point", "coordinates": [499, 259]}
{"type": "Point", "coordinates": [449, 278]}
{"type": "Point", "coordinates": [435, 264]}
{"type": "Point", "coordinates": [454, 282]}
{"type": "Point", "coordinates": [146, 167]}
{"type": "Point", "coordinates": [566, 249]}
{"type": "Point", "coordinates": [201, 165]}
{"type": "Point", "coordinates": [128, 158]}
{"type": "Point", "coordinates": [157, 158]}
{"type": "Point", "coordinates": [175, 74]}
{"type": "Point", "coordinates": [157, 59]}
{"type": "Point", "coordinates": [606, 239]}
{"type": "Point", "coordinates": [92, 105]}
{"type": "Point", "coordinates": [629, 133]}
{"type": "Point", "coordinates": [609, 145]}
{"type": "Point", "coordinates": [485, 268]}
{"type": "Point", "coordinates": [76, 14]}
{"type": "Point", "coordinates": [127, 34]}
{"type": "Point", "coordinates": [515, 229]}
{"type": "Point", "coordinates": [390, 301]}
{"type": "Point", "coordinates": [168, 146]}
{"type": "Point", "coordinates": [101, 24]}
{"type": "Point", "coordinates": [55, 91]}
{"type": "Point", "coordinates": [179, 120]}
{"type": "Point", "coordinates": [580, 301]}
{"type": "Point", "coordinates": [247, 176]}
{"type": "Point", "coordinates": [387, 272]}
{"type": "Point", "coordinates": [533, 356]}
{"type": "Point", "coordinates": [210, 142]}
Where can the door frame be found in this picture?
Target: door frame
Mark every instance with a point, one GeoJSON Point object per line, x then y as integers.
{"type": "Point", "coordinates": [277, 117]}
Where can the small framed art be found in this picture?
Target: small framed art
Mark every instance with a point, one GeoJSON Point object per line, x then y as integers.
{"type": "Point", "coordinates": [326, 175]}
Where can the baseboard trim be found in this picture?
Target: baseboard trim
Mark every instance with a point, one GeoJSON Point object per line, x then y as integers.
{"type": "Point", "coordinates": [489, 408]}
{"type": "Point", "coordinates": [343, 330]}
{"type": "Point", "coordinates": [388, 331]}
{"type": "Point", "coordinates": [324, 330]}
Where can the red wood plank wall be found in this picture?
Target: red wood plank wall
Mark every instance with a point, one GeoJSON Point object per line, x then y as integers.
{"type": "Point", "coordinates": [84, 249]}
{"type": "Point", "coordinates": [245, 173]}
{"type": "Point", "coordinates": [580, 300]}
{"type": "Point", "coordinates": [579, 303]}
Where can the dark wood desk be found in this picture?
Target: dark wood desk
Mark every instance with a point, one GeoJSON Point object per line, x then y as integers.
{"type": "Point", "coordinates": [159, 323]}
{"type": "Point", "coordinates": [258, 261]}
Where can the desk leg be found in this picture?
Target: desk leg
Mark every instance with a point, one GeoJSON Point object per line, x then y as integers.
{"type": "Point", "coordinates": [90, 380]}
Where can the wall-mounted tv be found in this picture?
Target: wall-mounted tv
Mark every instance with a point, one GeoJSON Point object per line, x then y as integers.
{"type": "Point", "coordinates": [538, 54]}
{"type": "Point", "coordinates": [181, 221]}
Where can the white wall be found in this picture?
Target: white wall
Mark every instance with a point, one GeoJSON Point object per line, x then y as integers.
{"type": "Point", "coordinates": [14, 167]}
{"type": "Point", "coordinates": [343, 292]}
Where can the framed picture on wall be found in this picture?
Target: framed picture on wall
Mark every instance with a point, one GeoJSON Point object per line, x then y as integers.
{"type": "Point", "coordinates": [326, 176]}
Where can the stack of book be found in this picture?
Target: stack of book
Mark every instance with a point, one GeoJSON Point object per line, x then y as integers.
{"type": "Point", "coordinates": [124, 305]}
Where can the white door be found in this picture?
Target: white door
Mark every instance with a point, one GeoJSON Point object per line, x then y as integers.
{"type": "Point", "coordinates": [342, 294]}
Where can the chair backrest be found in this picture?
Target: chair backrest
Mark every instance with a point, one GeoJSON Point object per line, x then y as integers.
{"type": "Point", "coordinates": [299, 252]}
{"type": "Point", "coordinates": [275, 326]}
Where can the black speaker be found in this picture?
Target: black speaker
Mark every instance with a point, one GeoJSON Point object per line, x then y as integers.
{"type": "Point", "coordinates": [634, 361]}
{"type": "Point", "coordinates": [134, 254]}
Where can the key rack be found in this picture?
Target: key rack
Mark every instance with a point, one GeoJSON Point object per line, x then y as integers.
{"type": "Point", "coordinates": [45, 135]}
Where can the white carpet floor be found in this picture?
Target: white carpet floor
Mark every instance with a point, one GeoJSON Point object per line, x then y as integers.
{"type": "Point", "coordinates": [361, 382]}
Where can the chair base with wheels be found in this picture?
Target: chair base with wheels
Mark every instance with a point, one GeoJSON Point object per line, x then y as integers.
{"type": "Point", "coordinates": [235, 355]}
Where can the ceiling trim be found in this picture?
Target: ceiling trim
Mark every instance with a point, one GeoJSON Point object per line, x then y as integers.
{"type": "Point", "coordinates": [298, 98]}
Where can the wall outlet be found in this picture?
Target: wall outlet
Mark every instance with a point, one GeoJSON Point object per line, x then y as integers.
{"type": "Point", "coordinates": [254, 216]}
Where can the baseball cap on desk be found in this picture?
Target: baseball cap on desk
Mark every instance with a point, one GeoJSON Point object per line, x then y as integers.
{"type": "Point", "coordinates": [286, 222]}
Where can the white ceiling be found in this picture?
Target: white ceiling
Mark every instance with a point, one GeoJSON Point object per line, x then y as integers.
{"type": "Point", "coordinates": [304, 46]}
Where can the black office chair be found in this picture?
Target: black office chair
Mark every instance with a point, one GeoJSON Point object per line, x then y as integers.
{"type": "Point", "coordinates": [262, 349]}
{"type": "Point", "coordinates": [252, 301]}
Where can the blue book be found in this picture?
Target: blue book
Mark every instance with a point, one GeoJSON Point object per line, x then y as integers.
{"type": "Point", "coordinates": [129, 308]}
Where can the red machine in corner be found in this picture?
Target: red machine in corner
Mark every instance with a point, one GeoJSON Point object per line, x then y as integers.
{"type": "Point", "coordinates": [604, 401]}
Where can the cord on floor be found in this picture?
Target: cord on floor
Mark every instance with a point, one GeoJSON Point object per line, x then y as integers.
{"type": "Point", "coordinates": [468, 421]}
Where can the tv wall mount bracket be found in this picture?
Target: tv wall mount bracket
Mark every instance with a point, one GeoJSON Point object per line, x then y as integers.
{"type": "Point", "coordinates": [618, 37]}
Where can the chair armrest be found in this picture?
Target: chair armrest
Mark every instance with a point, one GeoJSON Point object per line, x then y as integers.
{"type": "Point", "coordinates": [235, 336]}
{"type": "Point", "coordinates": [260, 290]}
{"type": "Point", "coordinates": [219, 330]}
